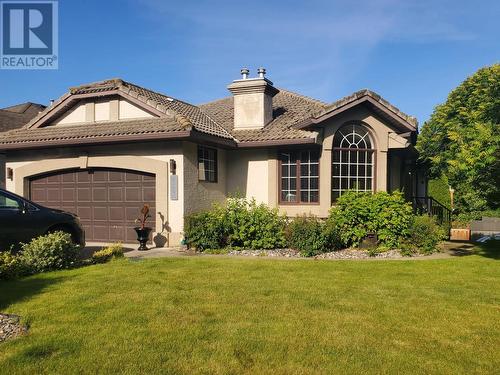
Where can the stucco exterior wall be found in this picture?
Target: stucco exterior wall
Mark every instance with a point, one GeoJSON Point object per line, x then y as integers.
{"type": "Point", "coordinates": [151, 158]}
{"type": "Point", "coordinates": [248, 174]}
{"type": "Point", "coordinates": [199, 195]}
{"type": "Point", "coordinates": [113, 109]}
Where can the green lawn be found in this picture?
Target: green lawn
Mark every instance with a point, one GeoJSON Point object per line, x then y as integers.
{"type": "Point", "coordinates": [232, 315]}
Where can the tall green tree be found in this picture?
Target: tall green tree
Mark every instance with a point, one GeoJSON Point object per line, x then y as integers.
{"type": "Point", "coordinates": [461, 141]}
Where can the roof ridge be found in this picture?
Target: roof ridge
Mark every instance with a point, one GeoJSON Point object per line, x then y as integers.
{"type": "Point", "coordinates": [360, 93]}
{"type": "Point", "coordinates": [219, 125]}
{"type": "Point", "coordinates": [116, 82]}
{"type": "Point", "coordinates": [183, 118]}
{"type": "Point", "coordinates": [215, 101]}
{"type": "Point", "coordinates": [305, 97]}
{"type": "Point", "coordinates": [159, 93]}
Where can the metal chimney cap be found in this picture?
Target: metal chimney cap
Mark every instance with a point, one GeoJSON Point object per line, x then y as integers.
{"type": "Point", "coordinates": [262, 72]}
{"type": "Point", "coordinates": [244, 73]}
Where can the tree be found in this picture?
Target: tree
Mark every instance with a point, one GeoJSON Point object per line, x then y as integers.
{"type": "Point", "coordinates": [461, 141]}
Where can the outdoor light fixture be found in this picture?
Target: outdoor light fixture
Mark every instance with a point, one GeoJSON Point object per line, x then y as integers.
{"type": "Point", "coordinates": [10, 174]}
{"type": "Point", "coordinates": [173, 166]}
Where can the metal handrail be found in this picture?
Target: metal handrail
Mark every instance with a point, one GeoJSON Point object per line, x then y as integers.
{"type": "Point", "coordinates": [432, 207]}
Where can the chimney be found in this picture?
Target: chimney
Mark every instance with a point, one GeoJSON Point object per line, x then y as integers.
{"type": "Point", "coordinates": [253, 100]}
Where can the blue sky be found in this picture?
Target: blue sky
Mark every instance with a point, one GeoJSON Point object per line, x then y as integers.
{"type": "Point", "coordinates": [411, 52]}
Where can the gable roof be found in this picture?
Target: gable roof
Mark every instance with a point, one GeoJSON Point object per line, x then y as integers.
{"type": "Point", "coordinates": [154, 102]}
{"type": "Point", "coordinates": [370, 99]}
{"type": "Point", "coordinates": [16, 116]}
{"type": "Point", "coordinates": [294, 118]}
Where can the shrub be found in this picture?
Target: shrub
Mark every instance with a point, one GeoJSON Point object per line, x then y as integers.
{"type": "Point", "coordinates": [204, 230]}
{"type": "Point", "coordinates": [357, 214]}
{"type": "Point", "coordinates": [238, 223]}
{"type": "Point", "coordinates": [424, 236]}
{"type": "Point", "coordinates": [11, 266]}
{"type": "Point", "coordinates": [50, 252]}
{"type": "Point", "coordinates": [311, 236]}
{"type": "Point", "coordinates": [108, 253]}
{"type": "Point", "coordinates": [253, 226]}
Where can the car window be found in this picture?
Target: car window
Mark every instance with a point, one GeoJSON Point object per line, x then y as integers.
{"type": "Point", "coordinates": [7, 202]}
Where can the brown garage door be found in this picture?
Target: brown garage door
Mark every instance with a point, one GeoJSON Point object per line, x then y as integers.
{"type": "Point", "coordinates": [107, 201]}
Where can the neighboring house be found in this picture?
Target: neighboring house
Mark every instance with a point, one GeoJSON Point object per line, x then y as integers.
{"type": "Point", "coordinates": [104, 149]}
{"type": "Point", "coordinates": [15, 117]}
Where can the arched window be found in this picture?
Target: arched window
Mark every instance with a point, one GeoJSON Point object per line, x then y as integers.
{"type": "Point", "coordinates": [353, 160]}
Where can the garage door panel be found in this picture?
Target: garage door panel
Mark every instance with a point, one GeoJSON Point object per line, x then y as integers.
{"type": "Point", "coordinates": [107, 201]}
{"type": "Point", "coordinates": [130, 235]}
{"type": "Point", "coordinates": [68, 194]}
{"type": "Point", "coordinates": [132, 177]}
{"type": "Point", "coordinates": [99, 176]}
{"type": "Point", "coordinates": [148, 194]}
{"type": "Point", "coordinates": [100, 213]}
{"type": "Point", "coordinates": [68, 178]}
{"type": "Point", "coordinates": [117, 233]}
{"type": "Point", "coordinates": [101, 232]}
{"type": "Point", "coordinates": [116, 176]}
{"type": "Point", "coordinates": [54, 194]}
{"type": "Point", "coordinates": [100, 194]}
{"type": "Point", "coordinates": [39, 195]}
{"type": "Point", "coordinates": [83, 194]}
{"type": "Point", "coordinates": [116, 213]}
{"type": "Point", "coordinates": [131, 213]}
{"type": "Point", "coordinates": [55, 179]}
{"type": "Point", "coordinates": [84, 213]}
{"type": "Point", "coordinates": [83, 176]}
{"type": "Point", "coordinates": [115, 194]}
{"type": "Point", "coordinates": [132, 194]}
{"type": "Point", "coordinates": [148, 178]}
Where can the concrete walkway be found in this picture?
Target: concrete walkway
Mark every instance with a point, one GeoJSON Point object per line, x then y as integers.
{"type": "Point", "coordinates": [130, 250]}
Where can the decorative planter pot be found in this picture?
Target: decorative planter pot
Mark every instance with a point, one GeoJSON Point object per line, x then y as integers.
{"type": "Point", "coordinates": [143, 236]}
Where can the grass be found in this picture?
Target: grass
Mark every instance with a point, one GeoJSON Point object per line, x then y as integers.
{"type": "Point", "coordinates": [232, 316]}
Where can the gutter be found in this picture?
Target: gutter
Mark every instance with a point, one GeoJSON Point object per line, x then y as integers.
{"type": "Point", "coordinates": [185, 134]}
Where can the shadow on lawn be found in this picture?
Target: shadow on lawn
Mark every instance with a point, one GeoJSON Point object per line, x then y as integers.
{"type": "Point", "coordinates": [13, 291]}
{"type": "Point", "coordinates": [489, 249]}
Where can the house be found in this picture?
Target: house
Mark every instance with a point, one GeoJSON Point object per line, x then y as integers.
{"type": "Point", "coordinates": [105, 148]}
{"type": "Point", "coordinates": [14, 117]}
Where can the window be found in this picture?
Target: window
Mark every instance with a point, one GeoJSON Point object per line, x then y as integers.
{"type": "Point", "coordinates": [207, 164]}
{"type": "Point", "coordinates": [6, 202]}
{"type": "Point", "coordinates": [353, 160]}
{"type": "Point", "coordinates": [299, 176]}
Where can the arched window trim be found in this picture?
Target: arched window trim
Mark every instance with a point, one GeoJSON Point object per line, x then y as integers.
{"type": "Point", "coordinates": [358, 172]}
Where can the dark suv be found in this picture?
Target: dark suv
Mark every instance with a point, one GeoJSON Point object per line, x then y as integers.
{"type": "Point", "coordinates": [22, 220]}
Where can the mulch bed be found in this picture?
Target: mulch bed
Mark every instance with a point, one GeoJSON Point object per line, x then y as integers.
{"type": "Point", "coordinates": [11, 327]}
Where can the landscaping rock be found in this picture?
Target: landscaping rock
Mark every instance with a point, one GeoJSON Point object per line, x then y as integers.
{"type": "Point", "coordinates": [11, 327]}
{"type": "Point", "coordinates": [287, 253]}
{"type": "Point", "coordinates": [338, 254]}
{"type": "Point", "coordinates": [359, 254]}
